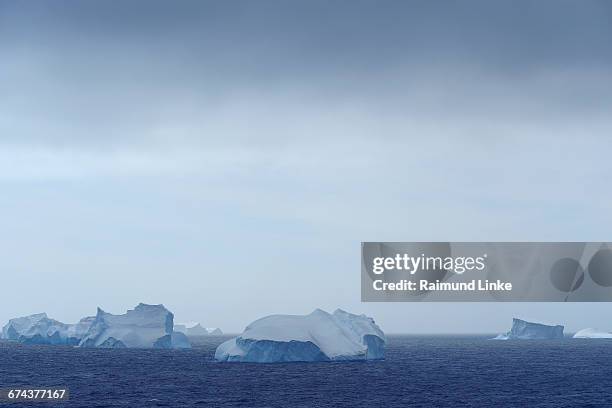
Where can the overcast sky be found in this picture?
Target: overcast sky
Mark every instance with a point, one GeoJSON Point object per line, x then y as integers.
{"type": "Point", "coordinates": [226, 158]}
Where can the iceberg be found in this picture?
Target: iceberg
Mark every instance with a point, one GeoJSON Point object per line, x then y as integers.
{"type": "Point", "coordinates": [196, 329]}
{"type": "Point", "coordinates": [319, 336]}
{"type": "Point", "coordinates": [146, 326]}
{"type": "Point", "coordinates": [40, 329]}
{"type": "Point", "coordinates": [524, 330]}
{"type": "Point", "coordinates": [592, 334]}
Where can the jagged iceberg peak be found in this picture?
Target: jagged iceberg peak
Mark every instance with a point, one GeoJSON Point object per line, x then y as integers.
{"type": "Point", "coordinates": [214, 331]}
{"type": "Point", "coordinates": [592, 334]}
{"type": "Point", "coordinates": [196, 329]}
{"type": "Point", "coordinates": [20, 325]}
{"type": "Point", "coordinates": [145, 326]}
{"type": "Point", "coordinates": [524, 330]}
{"type": "Point", "coordinates": [318, 336]}
{"type": "Point", "coordinates": [40, 329]}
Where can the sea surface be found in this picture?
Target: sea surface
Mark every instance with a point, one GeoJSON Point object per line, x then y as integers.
{"type": "Point", "coordinates": [419, 371]}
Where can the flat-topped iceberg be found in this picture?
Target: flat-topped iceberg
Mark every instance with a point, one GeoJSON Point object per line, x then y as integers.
{"type": "Point", "coordinates": [40, 329]}
{"type": "Point", "coordinates": [146, 326]}
{"type": "Point", "coordinates": [196, 329]}
{"type": "Point", "coordinates": [319, 336]}
{"type": "Point", "coordinates": [592, 334]}
{"type": "Point", "coordinates": [524, 330]}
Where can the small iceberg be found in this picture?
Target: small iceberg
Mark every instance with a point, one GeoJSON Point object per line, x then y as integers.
{"type": "Point", "coordinates": [196, 329]}
{"type": "Point", "coordinates": [524, 330]}
{"type": "Point", "coordinates": [319, 336]}
{"type": "Point", "coordinates": [592, 334]}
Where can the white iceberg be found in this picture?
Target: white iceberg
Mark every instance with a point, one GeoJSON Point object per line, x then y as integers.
{"type": "Point", "coordinates": [40, 329]}
{"type": "Point", "coordinates": [78, 331]}
{"type": "Point", "coordinates": [196, 329]}
{"type": "Point", "coordinates": [319, 336]}
{"type": "Point", "coordinates": [146, 326]}
{"type": "Point", "coordinates": [524, 330]}
{"type": "Point", "coordinates": [592, 334]}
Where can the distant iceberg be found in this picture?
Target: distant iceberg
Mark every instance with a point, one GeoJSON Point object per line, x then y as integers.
{"type": "Point", "coordinates": [40, 329]}
{"type": "Point", "coordinates": [196, 329]}
{"type": "Point", "coordinates": [319, 336]}
{"type": "Point", "coordinates": [592, 334]}
{"type": "Point", "coordinates": [146, 326]}
{"type": "Point", "coordinates": [523, 330]}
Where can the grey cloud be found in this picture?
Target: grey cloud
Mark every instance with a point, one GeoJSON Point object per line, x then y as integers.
{"type": "Point", "coordinates": [111, 75]}
{"type": "Point", "coordinates": [319, 34]}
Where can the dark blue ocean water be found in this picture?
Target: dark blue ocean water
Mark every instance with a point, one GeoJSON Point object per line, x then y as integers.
{"type": "Point", "coordinates": [418, 371]}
